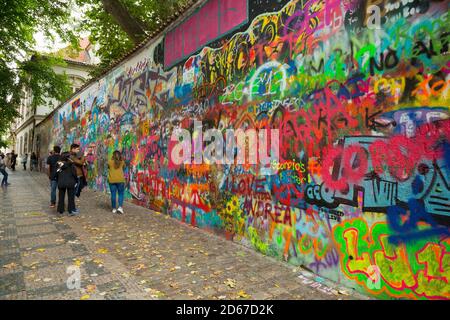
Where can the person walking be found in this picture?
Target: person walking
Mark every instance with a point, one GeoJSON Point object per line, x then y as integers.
{"type": "Point", "coordinates": [116, 181]}
{"type": "Point", "coordinates": [79, 162]}
{"type": "Point", "coordinates": [52, 163]}
{"type": "Point", "coordinates": [3, 171]}
{"type": "Point", "coordinates": [67, 179]}
{"type": "Point", "coordinates": [13, 160]}
{"type": "Point", "coordinates": [34, 162]}
{"type": "Point", "coordinates": [24, 161]}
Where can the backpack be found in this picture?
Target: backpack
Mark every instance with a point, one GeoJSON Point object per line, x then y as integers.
{"type": "Point", "coordinates": [67, 176]}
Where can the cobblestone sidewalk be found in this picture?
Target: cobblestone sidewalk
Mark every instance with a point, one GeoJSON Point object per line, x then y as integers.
{"type": "Point", "coordinates": [140, 255]}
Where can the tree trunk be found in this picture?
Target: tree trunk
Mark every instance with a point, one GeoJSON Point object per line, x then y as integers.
{"type": "Point", "coordinates": [132, 26]}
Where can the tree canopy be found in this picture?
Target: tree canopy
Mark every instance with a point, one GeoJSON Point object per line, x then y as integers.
{"type": "Point", "coordinates": [116, 26]}
{"type": "Point", "coordinates": [21, 68]}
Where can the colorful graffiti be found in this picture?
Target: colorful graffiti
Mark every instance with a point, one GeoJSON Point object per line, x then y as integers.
{"type": "Point", "coordinates": [215, 19]}
{"type": "Point", "coordinates": [359, 91]}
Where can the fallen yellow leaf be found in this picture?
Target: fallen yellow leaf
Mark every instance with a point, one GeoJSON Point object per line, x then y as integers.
{"type": "Point", "coordinates": [91, 288]}
{"type": "Point", "coordinates": [85, 297]}
{"type": "Point", "coordinates": [102, 251]}
{"type": "Point", "coordinates": [231, 283]}
{"type": "Point", "coordinates": [243, 294]}
{"type": "Point", "coordinates": [10, 266]}
{"type": "Point", "coordinates": [139, 267]}
{"type": "Point", "coordinates": [40, 250]}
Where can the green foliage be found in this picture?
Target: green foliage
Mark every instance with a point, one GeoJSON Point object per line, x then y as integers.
{"type": "Point", "coordinates": [4, 143]}
{"type": "Point", "coordinates": [20, 67]}
{"type": "Point", "coordinates": [44, 82]}
{"type": "Point", "coordinates": [112, 41]}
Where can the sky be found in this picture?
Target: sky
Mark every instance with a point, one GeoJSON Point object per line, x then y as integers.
{"type": "Point", "coordinates": [45, 45]}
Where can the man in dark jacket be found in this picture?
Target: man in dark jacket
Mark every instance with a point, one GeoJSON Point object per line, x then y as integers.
{"type": "Point", "coordinates": [67, 179]}
{"type": "Point", "coordinates": [34, 161]}
{"type": "Point", "coordinates": [52, 162]}
{"type": "Point", "coordinates": [13, 160]}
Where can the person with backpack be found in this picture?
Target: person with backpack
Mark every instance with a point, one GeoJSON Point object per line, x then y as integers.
{"type": "Point", "coordinates": [52, 162]}
{"type": "Point", "coordinates": [116, 181]}
{"type": "Point", "coordinates": [3, 170]}
{"type": "Point", "coordinates": [67, 179]}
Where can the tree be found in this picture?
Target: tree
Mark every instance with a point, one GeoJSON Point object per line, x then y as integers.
{"type": "Point", "coordinates": [133, 26]}
{"type": "Point", "coordinates": [116, 26]}
{"type": "Point", "coordinates": [21, 68]}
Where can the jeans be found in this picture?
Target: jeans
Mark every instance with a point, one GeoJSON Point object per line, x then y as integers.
{"type": "Point", "coordinates": [71, 199]}
{"type": "Point", "coordinates": [5, 176]}
{"type": "Point", "coordinates": [117, 188]}
{"type": "Point", "coordinates": [53, 187]}
{"type": "Point", "coordinates": [78, 187]}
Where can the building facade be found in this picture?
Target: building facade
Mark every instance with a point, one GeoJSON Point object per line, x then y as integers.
{"type": "Point", "coordinates": [77, 67]}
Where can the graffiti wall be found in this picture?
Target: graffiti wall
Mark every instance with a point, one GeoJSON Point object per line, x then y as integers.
{"type": "Point", "coordinates": [359, 91]}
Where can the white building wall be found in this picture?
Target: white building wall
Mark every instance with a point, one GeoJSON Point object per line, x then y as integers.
{"type": "Point", "coordinates": [23, 140]}
{"type": "Point", "coordinates": [77, 74]}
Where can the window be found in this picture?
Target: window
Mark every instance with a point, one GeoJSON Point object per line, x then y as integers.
{"type": "Point", "coordinates": [25, 143]}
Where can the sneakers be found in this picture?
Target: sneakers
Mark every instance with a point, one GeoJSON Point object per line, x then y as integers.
{"type": "Point", "coordinates": [74, 213]}
{"type": "Point", "coordinates": [118, 211]}
{"type": "Point", "coordinates": [52, 205]}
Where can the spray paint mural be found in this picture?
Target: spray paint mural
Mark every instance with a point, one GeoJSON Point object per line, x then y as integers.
{"type": "Point", "coordinates": [360, 93]}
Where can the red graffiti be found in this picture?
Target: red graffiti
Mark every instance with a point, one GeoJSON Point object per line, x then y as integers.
{"type": "Point", "coordinates": [399, 155]}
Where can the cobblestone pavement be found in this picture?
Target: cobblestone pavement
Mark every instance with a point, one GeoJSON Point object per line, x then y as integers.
{"type": "Point", "coordinates": [140, 255]}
